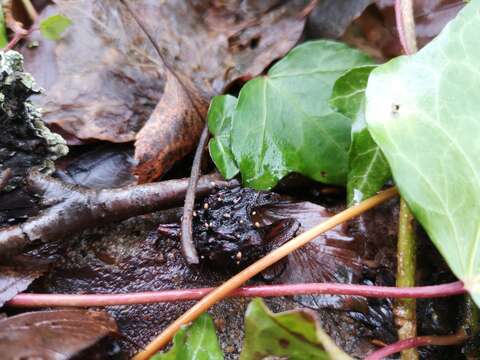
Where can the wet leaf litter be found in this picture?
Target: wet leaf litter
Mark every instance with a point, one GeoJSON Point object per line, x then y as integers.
{"type": "Point", "coordinates": [140, 124]}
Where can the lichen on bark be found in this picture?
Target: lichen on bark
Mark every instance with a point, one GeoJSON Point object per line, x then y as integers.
{"type": "Point", "coordinates": [25, 141]}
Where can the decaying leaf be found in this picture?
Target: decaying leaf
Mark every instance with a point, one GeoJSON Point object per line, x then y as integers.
{"type": "Point", "coordinates": [103, 167]}
{"type": "Point", "coordinates": [332, 257]}
{"type": "Point", "coordinates": [177, 119]}
{"type": "Point", "coordinates": [130, 256]}
{"type": "Point", "coordinates": [15, 280]}
{"type": "Point", "coordinates": [104, 78]}
{"type": "Point", "coordinates": [330, 18]}
{"type": "Point", "coordinates": [101, 81]}
{"type": "Point", "coordinates": [55, 335]}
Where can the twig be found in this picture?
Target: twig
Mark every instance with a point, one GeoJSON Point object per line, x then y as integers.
{"type": "Point", "coordinates": [70, 208]}
{"type": "Point", "coordinates": [416, 342]}
{"type": "Point", "coordinates": [236, 281]}
{"type": "Point", "coordinates": [188, 248]}
{"type": "Point", "coordinates": [405, 309]}
{"type": "Point", "coordinates": [28, 300]}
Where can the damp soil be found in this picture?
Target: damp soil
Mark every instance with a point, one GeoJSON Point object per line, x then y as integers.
{"type": "Point", "coordinates": [133, 256]}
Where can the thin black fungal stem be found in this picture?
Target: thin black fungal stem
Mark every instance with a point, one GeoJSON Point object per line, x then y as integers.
{"type": "Point", "coordinates": [188, 247]}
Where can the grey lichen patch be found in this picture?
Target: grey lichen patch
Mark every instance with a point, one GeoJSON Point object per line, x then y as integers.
{"type": "Point", "coordinates": [25, 141]}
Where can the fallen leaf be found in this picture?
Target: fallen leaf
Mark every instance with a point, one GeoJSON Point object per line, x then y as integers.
{"type": "Point", "coordinates": [101, 80]}
{"type": "Point", "coordinates": [54, 335]}
{"type": "Point", "coordinates": [102, 167]}
{"type": "Point", "coordinates": [178, 119]}
{"type": "Point", "coordinates": [15, 280]}
{"type": "Point", "coordinates": [331, 257]}
{"type": "Point", "coordinates": [104, 78]}
{"type": "Point", "coordinates": [330, 18]}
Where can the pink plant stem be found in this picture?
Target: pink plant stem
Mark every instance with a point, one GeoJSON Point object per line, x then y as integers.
{"type": "Point", "coordinates": [416, 342]}
{"type": "Point", "coordinates": [27, 300]}
{"type": "Point", "coordinates": [406, 25]}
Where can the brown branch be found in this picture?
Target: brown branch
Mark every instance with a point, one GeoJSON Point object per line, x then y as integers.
{"type": "Point", "coordinates": [70, 208]}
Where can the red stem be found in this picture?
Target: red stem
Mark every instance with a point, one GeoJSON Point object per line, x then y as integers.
{"type": "Point", "coordinates": [15, 40]}
{"type": "Point", "coordinates": [87, 300]}
{"type": "Point", "coordinates": [416, 342]}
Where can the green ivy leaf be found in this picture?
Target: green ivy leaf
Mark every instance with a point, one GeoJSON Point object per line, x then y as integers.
{"type": "Point", "coordinates": [219, 120]}
{"type": "Point", "coordinates": [3, 30]}
{"type": "Point", "coordinates": [53, 27]}
{"type": "Point", "coordinates": [283, 122]}
{"type": "Point", "coordinates": [294, 334]}
{"type": "Point", "coordinates": [423, 111]}
{"type": "Point", "coordinates": [368, 169]}
{"type": "Point", "coordinates": [195, 342]}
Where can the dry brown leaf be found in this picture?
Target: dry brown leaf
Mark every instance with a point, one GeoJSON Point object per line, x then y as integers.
{"type": "Point", "coordinates": [53, 335]}
{"type": "Point", "coordinates": [100, 80]}
{"type": "Point", "coordinates": [167, 135]}
{"type": "Point", "coordinates": [14, 281]}
{"type": "Point", "coordinates": [103, 80]}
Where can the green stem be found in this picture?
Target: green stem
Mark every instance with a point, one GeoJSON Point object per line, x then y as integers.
{"type": "Point", "coordinates": [405, 309]}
